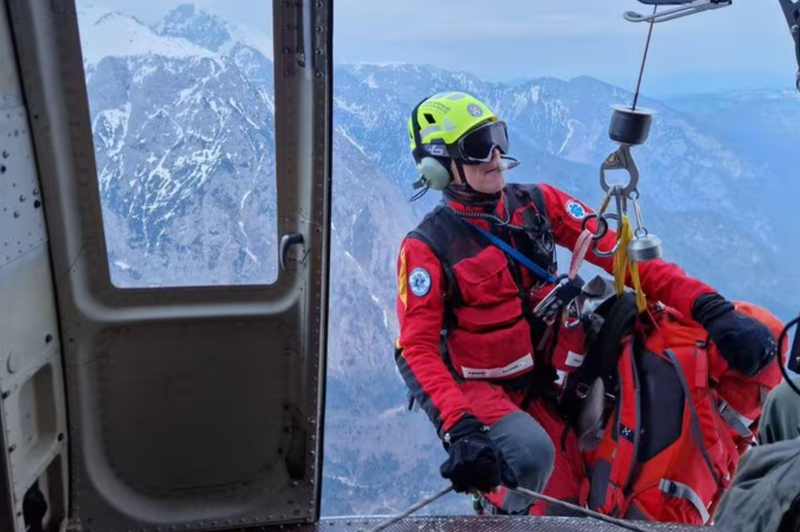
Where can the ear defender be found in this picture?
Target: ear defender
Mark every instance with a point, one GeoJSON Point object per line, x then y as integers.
{"type": "Point", "coordinates": [432, 173]}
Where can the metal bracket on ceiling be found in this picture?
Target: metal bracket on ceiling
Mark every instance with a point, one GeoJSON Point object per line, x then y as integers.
{"type": "Point", "coordinates": [683, 8]}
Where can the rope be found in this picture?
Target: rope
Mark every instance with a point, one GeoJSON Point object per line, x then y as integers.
{"type": "Point", "coordinates": [578, 509]}
{"type": "Point", "coordinates": [411, 510]}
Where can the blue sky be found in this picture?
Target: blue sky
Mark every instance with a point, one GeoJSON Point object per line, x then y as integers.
{"type": "Point", "coordinates": [744, 45]}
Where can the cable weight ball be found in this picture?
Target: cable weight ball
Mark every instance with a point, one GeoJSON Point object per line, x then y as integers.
{"type": "Point", "coordinates": [630, 126]}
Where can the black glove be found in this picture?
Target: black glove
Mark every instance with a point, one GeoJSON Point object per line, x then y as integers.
{"type": "Point", "coordinates": [744, 342]}
{"type": "Point", "coordinates": [475, 463]}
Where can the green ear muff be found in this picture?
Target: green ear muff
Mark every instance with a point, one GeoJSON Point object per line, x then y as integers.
{"type": "Point", "coordinates": [433, 174]}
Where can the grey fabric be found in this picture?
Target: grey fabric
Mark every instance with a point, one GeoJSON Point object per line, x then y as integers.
{"type": "Point", "coordinates": [765, 491]}
{"type": "Point", "coordinates": [780, 416]}
{"type": "Point", "coordinates": [529, 452]}
{"type": "Point", "coordinates": [684, 491]}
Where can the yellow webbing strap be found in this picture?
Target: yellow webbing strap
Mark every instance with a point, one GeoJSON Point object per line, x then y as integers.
{"type": "Point", "coordinates": [622, 264]}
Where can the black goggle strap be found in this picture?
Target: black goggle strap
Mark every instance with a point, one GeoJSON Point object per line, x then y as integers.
{"type": "Point", "coordinates": [455, 155]}
{"type": "Point", "coordinates": [419, 151]}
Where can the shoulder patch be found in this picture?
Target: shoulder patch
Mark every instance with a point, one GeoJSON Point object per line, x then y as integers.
{"type": "Point", "coordinates": [575, 210]}
{"type": "Point", "coordinates": [419, 281]}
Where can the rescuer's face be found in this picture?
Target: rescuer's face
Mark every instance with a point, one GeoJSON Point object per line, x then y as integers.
{"type": "Point", "coordinates": [484, 177]}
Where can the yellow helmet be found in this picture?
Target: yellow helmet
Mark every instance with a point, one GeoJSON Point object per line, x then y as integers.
{"type": "Point", "coordinates": [452, 125]}
{"type": "Point", "coordinates": [443, 119]}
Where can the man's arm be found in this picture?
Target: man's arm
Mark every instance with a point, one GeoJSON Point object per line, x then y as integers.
{"type": "Point", "coordinates": [420, 311]}
{"type": "Point", "coordinates": [746, 344]}
{"type": "Point", "coordinates": [661, 280]}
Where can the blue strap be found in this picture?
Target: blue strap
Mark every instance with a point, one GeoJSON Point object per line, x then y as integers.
{"type": "Point", "coordinates": [519, 257]}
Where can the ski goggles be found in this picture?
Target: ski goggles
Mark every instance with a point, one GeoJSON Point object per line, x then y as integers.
{"type": "Point", "coordinates": [478, 145]}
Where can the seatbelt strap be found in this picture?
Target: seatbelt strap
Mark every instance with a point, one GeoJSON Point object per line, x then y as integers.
{"type": "Point", "coordinates": [514, 253]}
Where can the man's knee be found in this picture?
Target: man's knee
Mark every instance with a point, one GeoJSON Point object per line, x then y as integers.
{"type": "Point", "coordinates": [526, 448]}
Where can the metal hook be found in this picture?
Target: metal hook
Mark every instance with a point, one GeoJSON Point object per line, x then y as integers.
{"type": "Point", "coordinates": [596, 243]}
{"type": "Point", "coordinates": [565, 317]}
{"type": "Point", "coordinates": [605, 254]}
{"type": "Point", "coordinates": [621, 159]}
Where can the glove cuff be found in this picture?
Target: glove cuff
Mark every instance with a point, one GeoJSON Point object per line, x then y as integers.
{"type": "Point", "coordinates": [465, 426]}
{"type": "Point", "coordinates": [709, 307]}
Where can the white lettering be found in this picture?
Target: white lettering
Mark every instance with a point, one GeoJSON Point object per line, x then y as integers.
{"type": "Point", "coordinates": [515, 367]}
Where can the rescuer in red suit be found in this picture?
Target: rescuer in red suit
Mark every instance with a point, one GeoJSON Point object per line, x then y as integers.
{"type": "Point", "coordinates": [471, 350]}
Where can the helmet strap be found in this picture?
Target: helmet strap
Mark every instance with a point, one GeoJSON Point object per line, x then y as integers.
{"type": "Point", "coordinates": [462, 175]}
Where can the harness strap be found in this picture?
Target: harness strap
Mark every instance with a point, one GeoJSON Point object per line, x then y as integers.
{"type": "Point", "coordinates": [513, 252]}
{"type": "Point", "coordinates": [579, 253]}
{"type": "Point", "coordinates": [736, 420]}
{"type": "Point", "coordinates": [628, 428]}
{"type": "Point", "coordinates": [681, 490]}
{"type": "Point", "coordinates": [695, 420]}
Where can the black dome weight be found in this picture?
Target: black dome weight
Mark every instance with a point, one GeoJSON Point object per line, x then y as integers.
{"type": "Point", "coordinates": [630, 126]}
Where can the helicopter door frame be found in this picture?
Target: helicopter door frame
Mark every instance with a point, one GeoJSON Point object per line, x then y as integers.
{"type": "Point", "coordinates": [192, 408]}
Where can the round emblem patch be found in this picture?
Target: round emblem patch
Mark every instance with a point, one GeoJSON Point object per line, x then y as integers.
{"type": "Point", "coordinates": [474, 109]}
{"type": "Point", "coordinates": [419, 281]}
{"type": "Point", "coordinates": [576, 210]}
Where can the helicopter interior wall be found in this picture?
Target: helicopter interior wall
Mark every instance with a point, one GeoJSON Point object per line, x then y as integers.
{"type": "Point", "coordinates": [32, 414]}
{"type": "Point", "coordinates": [198, 408]}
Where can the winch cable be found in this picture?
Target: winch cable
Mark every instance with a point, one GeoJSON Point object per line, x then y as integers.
{"type": "Point", "coordinates": [418, 506]}
{"type": "Point", "coordinates": [627, 525]}
{"type": "Point", "coordinates": [644, 61]}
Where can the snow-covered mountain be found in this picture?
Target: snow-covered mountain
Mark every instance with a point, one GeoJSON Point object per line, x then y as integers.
{"type": "Point", "coordinates": [183, 121]}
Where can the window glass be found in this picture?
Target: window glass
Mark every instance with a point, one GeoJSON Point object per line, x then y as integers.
{"type": "Point", "coordinates": [181, 102]}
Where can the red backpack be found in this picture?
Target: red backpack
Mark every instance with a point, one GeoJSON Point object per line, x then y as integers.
{"type": "Point", "coordinates": [678, 421]}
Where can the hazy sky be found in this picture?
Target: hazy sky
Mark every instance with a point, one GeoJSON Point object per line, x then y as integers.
{"type": "Point", "coordinates": [524, 38]}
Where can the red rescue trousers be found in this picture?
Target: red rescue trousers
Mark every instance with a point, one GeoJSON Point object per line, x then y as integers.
{"type": "Point", "coordinates": [537, 444]}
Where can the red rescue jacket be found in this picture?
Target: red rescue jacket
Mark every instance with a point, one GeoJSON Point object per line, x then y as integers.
{"type": "Point", "coordinates": [464, 306]}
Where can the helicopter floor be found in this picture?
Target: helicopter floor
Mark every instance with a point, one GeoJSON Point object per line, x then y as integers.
{"type": "Point", "coordinates": [473, 524]}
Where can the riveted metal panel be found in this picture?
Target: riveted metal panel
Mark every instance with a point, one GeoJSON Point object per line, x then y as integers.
{"type": "Point", "coordinates": [10, 92]}
{"type": "Point", "coordinates": [32, 402]}
{"type": "Point", "coordinates": [21, 213]}
{"type": "Point", "coordinates": [28, 327]}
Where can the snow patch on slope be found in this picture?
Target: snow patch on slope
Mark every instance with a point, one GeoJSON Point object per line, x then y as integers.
{"type": "Point", "coordinates": [115, 34]}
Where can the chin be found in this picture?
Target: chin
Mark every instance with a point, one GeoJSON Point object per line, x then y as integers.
{"type": "Point", "coordinates": [494, 183]}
